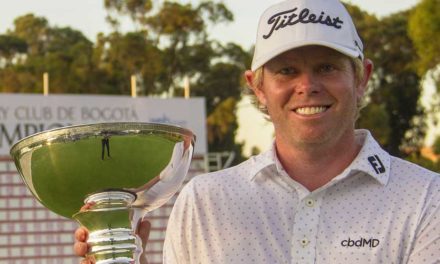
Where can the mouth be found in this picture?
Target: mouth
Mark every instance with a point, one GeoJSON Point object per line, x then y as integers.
{"type": "Point", "coordinates": [311, 110]}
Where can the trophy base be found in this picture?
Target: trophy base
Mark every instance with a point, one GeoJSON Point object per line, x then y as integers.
{"type": "Point", "coordinates": [108, 220]}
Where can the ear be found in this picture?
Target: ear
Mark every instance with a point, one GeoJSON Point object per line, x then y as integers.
{"type": "Point", "coordinates": [259, 93]}
{"type": "Point", "coordinates": [363, 84]}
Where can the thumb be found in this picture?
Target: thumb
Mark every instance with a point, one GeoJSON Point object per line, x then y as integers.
{"type": "Point", "coordinates": [143, 231]}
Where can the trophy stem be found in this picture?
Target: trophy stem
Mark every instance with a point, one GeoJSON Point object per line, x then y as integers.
{"type": "Point", "coordinates": [108, 220]}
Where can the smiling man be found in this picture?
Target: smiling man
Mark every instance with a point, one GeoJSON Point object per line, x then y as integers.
{"type": "Point", "coordinates": [311, 94]}
{"type": "Point", "coordinates": [325, 193]}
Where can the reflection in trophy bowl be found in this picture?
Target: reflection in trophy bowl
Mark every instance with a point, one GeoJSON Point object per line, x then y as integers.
{"type": "Point", "coordinates": [114, 166]}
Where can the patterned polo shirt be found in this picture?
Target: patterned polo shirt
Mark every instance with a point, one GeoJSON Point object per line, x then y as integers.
{"type": "Point", "coordinates": [380, 209]}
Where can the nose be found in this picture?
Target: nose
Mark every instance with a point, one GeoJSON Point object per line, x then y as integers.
{"type": "Point", "coordinates": [306, 84]}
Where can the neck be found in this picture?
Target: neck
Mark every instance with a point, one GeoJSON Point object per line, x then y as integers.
{"type": "Point", "coordinates": [315, 165]}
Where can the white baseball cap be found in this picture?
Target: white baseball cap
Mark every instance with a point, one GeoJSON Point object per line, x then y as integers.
{"type": "Point", "coordinates": [296, 23]}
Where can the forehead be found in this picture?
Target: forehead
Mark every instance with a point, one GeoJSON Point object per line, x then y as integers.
{"type": "Point", "coordinates": [309, 54]}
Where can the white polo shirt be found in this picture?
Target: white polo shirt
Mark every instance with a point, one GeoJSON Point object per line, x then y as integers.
{"type": "Point", "coordinates": [381, 209]}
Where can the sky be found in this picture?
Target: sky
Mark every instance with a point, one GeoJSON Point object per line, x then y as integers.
{"type": "Point", "coordinates": [88, 16]}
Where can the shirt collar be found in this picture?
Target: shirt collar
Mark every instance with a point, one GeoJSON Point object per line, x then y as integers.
{"type": "Point", "coordinates": [371, 160]}
{"type": "Point", "coordinates": [262, 161]}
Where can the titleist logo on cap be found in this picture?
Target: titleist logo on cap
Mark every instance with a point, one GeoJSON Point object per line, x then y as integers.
{"type": "Point", "coordinates": [292, 17]}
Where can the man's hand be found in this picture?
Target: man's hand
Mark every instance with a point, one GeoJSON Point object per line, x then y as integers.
{"type": "Point", "coordinates": [81, 247]}
{"type": "Point", "coordinates": [82, 234]}
{"type": "Point", "coordinates": [143, 231]}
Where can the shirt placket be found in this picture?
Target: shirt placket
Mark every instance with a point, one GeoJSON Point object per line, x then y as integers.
{"type": "Point", "coordinates": [305, 230]}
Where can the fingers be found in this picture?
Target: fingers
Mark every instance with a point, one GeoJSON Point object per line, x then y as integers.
{"type": "Point", "coordinates": [143, 228]}
{"type": "Point", "coordinates": [143, 231]}
{"type": "Point", "coordinates": [88, 261]}
{"type": "Point", "coordinates": [81, 247]}
{"type": "Point", "coordinates": [81, 234]}
{"type": "Point", "coordinates": [87, 206]}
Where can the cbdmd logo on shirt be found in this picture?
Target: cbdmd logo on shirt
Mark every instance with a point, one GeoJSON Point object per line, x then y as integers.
{"type": "Point", "coordinates": [362, 242]}
{"type": "Point", "coordinates": [377, 164]}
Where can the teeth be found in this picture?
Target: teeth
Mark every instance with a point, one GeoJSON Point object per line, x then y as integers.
{"type": "Point", "coordinates": [311, 110]}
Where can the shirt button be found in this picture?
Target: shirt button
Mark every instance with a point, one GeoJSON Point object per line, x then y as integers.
{"type": "Point", "coordinates": [310, 202]}
{"type": "Point", "coordinates": [304, 242]}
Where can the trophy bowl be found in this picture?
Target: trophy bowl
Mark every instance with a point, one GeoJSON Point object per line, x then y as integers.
{"type": "Point", "coordinates": [114, 168]}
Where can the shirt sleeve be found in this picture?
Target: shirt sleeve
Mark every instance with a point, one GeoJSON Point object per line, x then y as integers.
{"type": "Point", "coordinates": [426, 248]}
{"type": "Point", "coordinates": [176, 248]}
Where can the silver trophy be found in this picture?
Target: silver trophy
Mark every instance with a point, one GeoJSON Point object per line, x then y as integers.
{"type": "Point", "coordinates": [115, 168]}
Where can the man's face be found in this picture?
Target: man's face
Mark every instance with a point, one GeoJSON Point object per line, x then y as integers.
{"type": "Point", "coordinates": [311, 95]}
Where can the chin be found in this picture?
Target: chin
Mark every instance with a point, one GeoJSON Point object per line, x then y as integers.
{"type": "Point", "coordinates": [316, 136]}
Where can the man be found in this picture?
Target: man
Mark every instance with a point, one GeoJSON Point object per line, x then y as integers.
{"type": "Point", "coordinates": [325, 192]}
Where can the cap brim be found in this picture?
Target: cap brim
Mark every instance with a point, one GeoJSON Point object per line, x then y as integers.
{"type": "Point", "coordinates": [258, 62]}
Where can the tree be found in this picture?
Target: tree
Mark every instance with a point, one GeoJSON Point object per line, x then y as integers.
{"type": "Point", "coordinates": [136, 9]}
{"type": "Point", "coordinates": [181, 30]}
{"type": "Point", "coordinates": [395, 88]}
{"type": "Point", "coordinates": [424, 30]}
{"type": "Point", "coordinates": [178, 29]}
{"type": "Point", "coordinates": [10, 48]}
{"type": "Point", "coordinates": [375, 117]}
{"type": "Point", "coordinates": [436, 145]}
{"type": "Point", "coordinates": [220, 85]}
{"type": "Point", "coordinates": [118, 56]}
{"type": "Point", "coordinates": [68, 59]}
{"type": "Point", "coordinates": [34, 30]}
{"type": "Point", "coordinates": [65, 53]}
{"type": "Point", "coordinates": [222, 126]}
